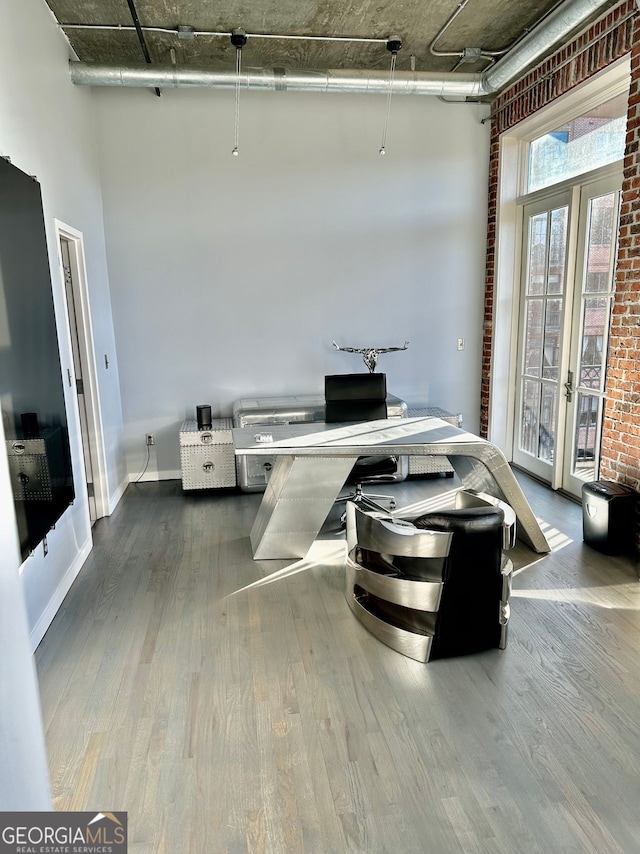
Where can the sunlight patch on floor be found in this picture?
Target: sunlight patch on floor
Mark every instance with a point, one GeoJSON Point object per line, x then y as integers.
{"type": "Point", "coordinates": [556, 539]}
{"type": "Point", "coordinates": [528, 565]}
{"type": "Point", "coordinates": [321, 553]}
{"type": "Point", "coordinates": [614, 596]}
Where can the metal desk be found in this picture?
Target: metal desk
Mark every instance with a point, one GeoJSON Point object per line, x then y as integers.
{"type": "Point", "coordinates": [262, 412]}
{"type": "Point", "coordinates": [313, 462]}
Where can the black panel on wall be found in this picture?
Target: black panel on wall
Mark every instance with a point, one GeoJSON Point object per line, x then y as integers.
{"type": "Point", "coordinates": [31, 391]}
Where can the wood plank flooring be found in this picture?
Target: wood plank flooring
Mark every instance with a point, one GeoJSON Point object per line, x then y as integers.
{"type": "Point", "coordinates": [269, 721]}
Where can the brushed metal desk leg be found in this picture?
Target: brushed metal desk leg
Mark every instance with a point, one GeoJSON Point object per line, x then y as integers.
{"type": "Point", "coordinates": [491, 473]}
{"type": "Point", "coordinates": [298, 498]}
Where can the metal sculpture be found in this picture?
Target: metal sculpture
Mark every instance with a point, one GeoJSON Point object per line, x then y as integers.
{"type": "Point", "coordinates": [370, 354]}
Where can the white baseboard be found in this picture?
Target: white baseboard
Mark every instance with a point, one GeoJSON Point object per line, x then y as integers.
{"type": "Point", "coordinates": [46, 618]}
{"type": "Point", "coordinates": [114, 499]}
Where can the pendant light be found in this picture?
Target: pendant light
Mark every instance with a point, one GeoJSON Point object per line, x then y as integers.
{"type": "Point", "coordinates": [394, 43]}
{"type": "Point", "coordinates": [238, 40]}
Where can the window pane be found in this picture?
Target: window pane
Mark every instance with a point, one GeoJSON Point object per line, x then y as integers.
{"type": "Point", "coordinates": [529, 420]}
{"type": "Point", "coordinates": [537, 253]}
{"type": "Point", "coordinates": [547, 423]}
{"type": "Point", "coordinates": [552, 330]}
{"type": "Point", "coordinates": [586, 142]}
{"type": "Point", "coordinates": [602, 221]}
{"type": "Point", "coordinates": [557, 250]}
{"type": "Point", "coordinates": [533, 340]}
{"type": "Point", "coordinates": [584, 456]}
{"type": "Point", "coordinates": [595, 315]}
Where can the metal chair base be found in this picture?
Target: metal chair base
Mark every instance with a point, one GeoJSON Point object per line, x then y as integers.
{"type": "Point", "coordinates": [366, 501]}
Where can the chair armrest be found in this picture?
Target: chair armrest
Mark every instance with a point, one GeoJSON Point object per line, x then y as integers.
{"type": "Point", "coordinates": [470, 498]}
{"type": "Point", "coordinates": [393, 536]}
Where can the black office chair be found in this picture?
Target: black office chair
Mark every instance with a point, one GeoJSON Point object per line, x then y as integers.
{"type": "Point", "coordinates": [354, 398]}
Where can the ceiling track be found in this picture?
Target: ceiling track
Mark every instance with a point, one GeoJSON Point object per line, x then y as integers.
{"type": "Point", "coordinates": [561, 23]}
{"type": "Point", "coordinates": [188, 33]}
{"type": "Point", "coordinates": [143, 44]}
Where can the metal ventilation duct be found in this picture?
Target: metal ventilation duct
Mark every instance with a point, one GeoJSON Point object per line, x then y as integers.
{"type": "Point", "coordinates": [166, 76]}
{"type": "Point", "coordinates": [565, 20]}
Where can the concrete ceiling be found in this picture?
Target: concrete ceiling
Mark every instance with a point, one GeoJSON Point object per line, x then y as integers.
{"type": "Point", "coordinates": [493, 25]}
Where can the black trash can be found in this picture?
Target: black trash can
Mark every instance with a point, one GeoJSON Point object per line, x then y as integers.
{"type": "Point", "coordinates": [609, 517]}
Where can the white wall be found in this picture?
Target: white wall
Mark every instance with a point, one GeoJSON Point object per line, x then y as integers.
{"type": "Point", "coordinates": [46, 128]}
{"type": "Point", "coordinates": [24, 778]}
{"type": "Point", "coordinates": [231, 276]}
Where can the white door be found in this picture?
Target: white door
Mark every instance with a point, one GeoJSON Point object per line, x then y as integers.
{"type": "Point", "coordinates": [584, 383]}
{"type": "Point", "coordinates": [543, 310]}
{"type": "Point", "coordinates": [569, 250]}
{"type": "Point", "coordinates": [65, 255]}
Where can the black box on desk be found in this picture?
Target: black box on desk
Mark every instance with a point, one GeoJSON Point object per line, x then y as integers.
{"type": "Point", "coordinates": [608, 517]}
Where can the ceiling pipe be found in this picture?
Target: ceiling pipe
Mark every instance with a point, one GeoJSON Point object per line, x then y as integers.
{"type": "Point", "coordinates": [471, 54]}
{"type": "Point", "coordinates": [565, 19]}
{"type": "Point", "coordinates": [562, 22]}
{"type": "Point", "coordinates": [371, 82]}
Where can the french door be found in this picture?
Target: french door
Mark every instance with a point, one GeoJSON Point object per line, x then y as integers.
{"type": "Point", "coordinates": [569, 251]}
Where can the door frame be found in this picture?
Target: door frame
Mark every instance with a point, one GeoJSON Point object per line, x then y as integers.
{"type": "Point", "coordinates": [512, 170]}
{"type": "Point", "coordinates": [574, 193]}
{"type": "Point", "coordinates": [95, 437]}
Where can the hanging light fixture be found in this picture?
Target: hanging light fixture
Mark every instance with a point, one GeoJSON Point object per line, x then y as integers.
{"type": "Point", "coordinates": [238, 40]}
{"type": "Point", "coordinates": [394, 43]}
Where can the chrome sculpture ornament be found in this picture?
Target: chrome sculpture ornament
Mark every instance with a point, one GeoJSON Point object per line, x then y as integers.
{"type": "Point", "coordinates": [370, 354]}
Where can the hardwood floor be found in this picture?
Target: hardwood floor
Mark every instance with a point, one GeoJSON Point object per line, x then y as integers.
{"type": "Point", "coordinates": [269, 720]}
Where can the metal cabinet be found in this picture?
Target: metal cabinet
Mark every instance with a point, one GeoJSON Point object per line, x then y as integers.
{"type": "Point", "coordinates": [207, 459]}
{"type": "Point", "coordinates": [426, 465]}
{"type": "Point", "coordinates": [35, 465]}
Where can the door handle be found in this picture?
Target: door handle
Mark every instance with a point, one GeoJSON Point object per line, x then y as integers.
{"type": "Point", "coordinates": [568, 386]}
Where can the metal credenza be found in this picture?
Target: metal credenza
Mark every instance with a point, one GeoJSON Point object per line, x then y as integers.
{"type": "Point", "coordinates": [253, 472]}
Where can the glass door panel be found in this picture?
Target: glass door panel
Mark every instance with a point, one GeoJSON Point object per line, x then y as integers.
{"type": "Point", "coordinates": [534, 331]}
{"type": "Point", "coordinates": [548, 421]}
{"type": "Point", "coordinates": [530, 425]}
{"type": "Point", "coordinates": [587, 437]}
{"type": "Point", "coordinates": [558, 250]}
{"type": "Point", "coordinates": [538, 226]}
{"type": "Point", "coordinates": [552, 339]}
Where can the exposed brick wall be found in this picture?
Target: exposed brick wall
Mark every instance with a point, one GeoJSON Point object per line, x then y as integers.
{"type": "Point", "coordinates": [612, 37]}
{"type": "Point", "coordinates": [621, 432]}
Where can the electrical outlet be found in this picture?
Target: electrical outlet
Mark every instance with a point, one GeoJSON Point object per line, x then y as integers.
{"type": "Point", "coordinates": [460, 343]}
{"type": "Point", "coordinates": [151, 439]}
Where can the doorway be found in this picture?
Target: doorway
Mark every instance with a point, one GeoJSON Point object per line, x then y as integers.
{"type": "Point", "coordinates": [73, 272]}
{"type": "Point", "coordinates": [567, 286]}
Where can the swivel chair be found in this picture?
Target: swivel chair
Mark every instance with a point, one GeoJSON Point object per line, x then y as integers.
{"type": "Point", "coordinates": [432, 588]}
{"type": "Point", "coordinates": [355, 398]}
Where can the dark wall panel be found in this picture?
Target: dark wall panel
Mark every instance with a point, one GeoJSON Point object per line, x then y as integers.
{"type": "Point", "coordinates": [31, 392]}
